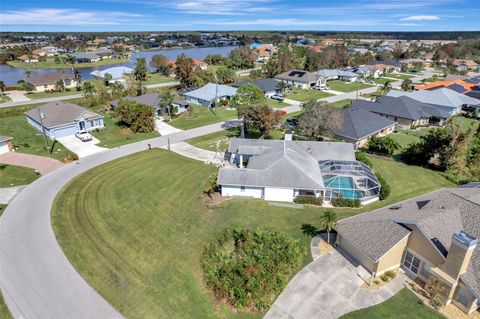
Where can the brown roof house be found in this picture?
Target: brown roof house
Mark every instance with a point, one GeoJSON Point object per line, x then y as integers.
{"type": "Point", "coordinates": [300, 79]}
{"type": "Point", "coordinates": [60, 119]}
{"type": "Point", "coordinates": [46, 82]}
{"type": "Point", "coordinates": [433, 236]}
{"type": "Point", "coordinates": [465, 65]}
{"type": "Point", "coordinates": [28, 58]}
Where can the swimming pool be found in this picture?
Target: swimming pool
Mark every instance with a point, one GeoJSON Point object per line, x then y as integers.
{"type": "Point", "coordinates": [342, 186]}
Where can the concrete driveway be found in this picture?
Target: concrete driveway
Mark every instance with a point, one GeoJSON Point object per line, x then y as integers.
{"type": "Point", "coordinates": [80, 148]}
{"type": "Point", "coordinates": [164, 128]}
{"type": "Point", "coordinates": [328, 288]}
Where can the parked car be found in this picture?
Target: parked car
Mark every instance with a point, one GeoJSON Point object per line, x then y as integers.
{"type": "Point", "coordinates": [83, 136]}
{"type": "Point", "coordinates": [318, 87]}
{"type": "Point", "coordinates": [277, 97]}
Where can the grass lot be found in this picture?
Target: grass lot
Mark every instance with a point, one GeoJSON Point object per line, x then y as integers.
{"type": "Point", "coordinates": [382, 81]}
{"type": "Point", "coordinates": [154, 78]}
{"type": "Point", "coordinates": [342, 86]}
{"type": "Point", "coordinates": [4, 98]}
{"type": "Point", "coordinates": [50, 64]}
{"type": "Point", "coordinates": [341, 104]}
{"type": "Point", "coordinates": [404, 305]}
{"type": "Point", "coordinates": [115, 135]}
{"type": "Point", "coordinates": [306, 95]}
{"type": "Point", "coordinates": [202, 116]}
{"type": "Point", "coordinates": [138, 240]}
{"type": "Point", "coordinates": [15, 175]}
{"type": "Point", "coordinates": [41, 95]}
{"type": "Point", "coordinates": [399, 76]}
{"type": "Point", "coordinates": [4, 312]}
{"type": "Point", "coordinates": [276, 104]}
{"type": "Point", "coordinates": [26, 139]}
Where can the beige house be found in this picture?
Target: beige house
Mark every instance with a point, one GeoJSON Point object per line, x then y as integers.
{"type": "Point", "coordinates": [46, 82]}
{"type": "Point", "coordinates": [433, 236]}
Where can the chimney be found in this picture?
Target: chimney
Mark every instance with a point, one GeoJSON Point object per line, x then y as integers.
{"type": "Point", "coordinates": [459, 254]}
{"type": "Point", "coordinates": [288, 135]}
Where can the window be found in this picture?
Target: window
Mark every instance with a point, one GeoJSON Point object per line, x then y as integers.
{"type": "Point", "coordinates": [411, 262]}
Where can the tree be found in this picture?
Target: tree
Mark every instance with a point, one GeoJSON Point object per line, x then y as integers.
{"type": "Point", "coordinates": [386, 87]}
{"type": "Point", "coordinates": [141, 71]}
{"type": "Point", "coordinates": [319, 120]}
{"type": "Point", "coordinates": [225, 75]}
{"type": "Point", "coordinates": [116, 89]}
{"type": "Point", "coordinates": [57, 60]}
{"type": "Point", "coordinates": [77, 76]}
{"type": "Point", "coordinates": [383, 145]}
{"type": "Point", "coordinates": [167, 101]}
{"type": "Point", "coordinates": [211, 186]}
{"type": "Point", "coordinates": [264, 118]}
{"type": "Point", "coordinates": [407, 85]}
{"type": "Point", "coordinates": [28, 72]}
{"type": "Point", "coordinates": [214, 59]}
{"type": "Point", "coordinates": [161, 64]}
{"type": "Point", "coordinates": [107, 78]}
{"type": "Point", "coordinates": [241, 58]}
{"type": "Point", "coordinates": [184, 68]}
{"type": "Point", "coordinates": [138, 117]}
{"type": "Point", "coordinates": [247, 96]}
{"type": "Point", "coordinates": [59, 86]}
{"type": "Point", "coordinates": [329, 221]}
{"type": "Point", "coordinates": [256, 74]}
{"type": "Point", "coordinates": [282, 86]}
{"type": "Point", "coordinates": [88, 89]}
{"type": "Point", "coordinates": [3, 87]}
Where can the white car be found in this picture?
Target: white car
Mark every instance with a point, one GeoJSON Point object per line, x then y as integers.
{"type": "Point", "coordinates": [277, 97]}
{"type": "Point", "coordinates": [83, 136]}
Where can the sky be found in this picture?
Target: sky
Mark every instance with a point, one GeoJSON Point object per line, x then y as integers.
{"type": "Point", "coordinates": [191, 15]}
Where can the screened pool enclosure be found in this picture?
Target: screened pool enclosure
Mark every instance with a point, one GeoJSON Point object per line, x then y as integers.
{"type": "Point", "coordinates": [348, 179]}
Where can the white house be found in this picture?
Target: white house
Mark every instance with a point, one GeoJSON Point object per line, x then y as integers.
{"type": "Point", "coordinates": [5, 144]}
{"type": "Point", "coordinates": [277, 170]}
{"type": "Point", "coordinates": [210, 92]}
{"type": "Point", "coordinates": [118, 73]}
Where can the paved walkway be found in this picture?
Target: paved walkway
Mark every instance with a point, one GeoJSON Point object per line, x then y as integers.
{"type": "Point", "coordinates": [41, 163]}
{"type": "Point", "coordinates": [164, 128]}
{"type": "Point", "coordinates": [80, 148]}
{"type": "Point", "coordinates": [17, 96]}
{"type": "Point", "coordinates": [8, 193]}
{"type": "Point", "coordinates": [196, 153]}
{"type": "Point", "coordinates": [328, 288]}
{"type": "Point", "coordinates": [161, 85]}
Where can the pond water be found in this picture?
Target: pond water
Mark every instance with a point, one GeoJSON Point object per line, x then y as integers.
{"type": "Point", "coordinates": [11, 75]}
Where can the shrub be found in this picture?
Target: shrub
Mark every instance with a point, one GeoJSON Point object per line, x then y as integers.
{"type": "Point", "coordinates": [390, 274]}
{"type": "Point", "coordinates": [383, 145]}
{"type": "Point", "coordinates": [249, 268]}
{"type": "Point", "coordinates": [308, 199]}
{"type": "Point", "coordinates": [70, 158]}
{"type": "Point", "coordinates": [384, 187]}
{"type": "Point", "coordinates": [384, 277]}
{"type": "Point", "coordinates": [436, 302]}
{"type": "Point", "coordinates": [362, 157]}
{"type": "Point", "coordinates": [345, 202]}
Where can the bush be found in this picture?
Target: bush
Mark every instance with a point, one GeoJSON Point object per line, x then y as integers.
{"type": "Point", "coordinates": [384, 187]}
{"type": "Point", "coordinates": [390, 274]}
{"type": "Point", "coordinates": [249, 269]}
{"type": "Point", "coordinates": [70, 158]}
{"type": "Point", "coordinates": [436, 302]}
{"type": "Point", "coordinates": [384, 277]}
{"type": "Point", "coordinates": [308, 199]}
{"type": "Point", "coordinates": [345, 202]}
{"type": "Point", "coordinates": [383, 145]}
{"type": "Point", "coordinates": [362, 157]}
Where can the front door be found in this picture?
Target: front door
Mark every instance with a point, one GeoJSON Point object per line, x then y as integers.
{"type": "Point", "coordinates": [411, 262]}
{"type": "Point", "coordinates": [82, 125]}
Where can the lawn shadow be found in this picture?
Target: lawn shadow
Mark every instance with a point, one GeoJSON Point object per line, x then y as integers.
{"type": "Point", "coordinates": [310, 230]}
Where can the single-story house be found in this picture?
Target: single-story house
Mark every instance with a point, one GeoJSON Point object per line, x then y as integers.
{"type": "Point", "coordinates": [28, 59]}
{"type": "Point", "coordinates": [277, 170]}
{"type": "Point", "coordinates": [60, 119]}
{"type": "Point", "coordinates": [46, 82]}
{"type": "Point", "coordinates": [465, 65]}
{"type": "Point", "coordinates": [196, 64]}
{"type": "Point", "coordinates": [51, 50]}
{"type": "Point", "coordinates": [118, 73]}
{"type": "Point", "coordinates": [268, 86]}
{"type": "Point", "coordinates": [445, 100]}
{"type": "Point", "coordinates": [5, 144]}
{"type": "Point", "coordinates": [334, 74]}
{"type": "Point", "coordinates": [368, 71]}
{"type": "Point", "coordinates": [300, 79]}
{"type": "Point", "coordinates": [154, 100]}
{"type": "Point", "coordinates": [358, 125]}
{"type": "Point", "coordinates": [86, 57]}
{"type": "Point", "coordinates": [210, 92]}
{"type": "Point", "coordinates": [104, 53]}
{"type": "Point", "coordinates": [407, 112]}
{"type": "Point", "coordinates": [433, 236]}
{"type": "Point", "coordinates": [40, 52]}
{"type": "Point", "coordinates": [387, 66]}
{"type": "Point", "coordinates": [412, 62]}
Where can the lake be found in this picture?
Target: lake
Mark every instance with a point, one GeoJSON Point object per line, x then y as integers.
{"type": "Point", "coordinates": [11, 75]}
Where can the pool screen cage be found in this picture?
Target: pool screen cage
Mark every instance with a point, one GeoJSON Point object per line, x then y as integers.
{"type": "Point", "coordinates": [349, 179]}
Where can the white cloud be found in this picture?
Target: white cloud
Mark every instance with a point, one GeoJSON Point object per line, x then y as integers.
{"type": "Point", "coordinates": [223, 7]}
{"type": "Point", "coordinates": [420, 18]}
{"type": "Point", "coordinates": [287, 22]}
{"type": "Point", "coordinates": [46, 16]}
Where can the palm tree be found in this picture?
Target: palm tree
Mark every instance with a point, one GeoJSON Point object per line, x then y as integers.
{"type": "Point", "coordinates": [3, 87]}
{"type": "Point", "coordinates": [282, 86]}
{"type": "Point", "coordinates": [406, 84]}
{"type": "Point", "coordinates": [117, 89]}
{"type": "Point", "coordinates": [77, 76]}
{"type": "Point", "coordinates": [167, 100]}
{"type": "Point", "coordinates": [386, 87]}
{"type": "Point", "coordinates": [329, 221]}
{"type": "Point", "coordinates": [107, 77]}
{"type": "Point", "coordinates": [88, 89]}
{"type": "Point", "coordinates": [28, 73]}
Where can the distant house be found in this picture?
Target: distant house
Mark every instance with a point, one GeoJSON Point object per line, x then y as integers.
{"type": "Point", "coordinates": [268, 86]}
{"type": "Point", "coordinates": [209, 93]}
{"type": "Point", "coordinates": [368, 71]}
{"type": "Point", "coordinates": [28, 58]}
{"type": "Point", "coordinates": [5, 144]}
{"type": "Point", "coordinates": [386, 66]}
{"type": "Point", "coordinates": [51, 50]}
{"type": "Point", "coordinates": [154, 100]}
{"type": "Point", "coordinates": [469, 86]}
{"type": "Point", "coordinates": [61, 119]}
{"type": "Point", "coordinates": [277, 170]}
{"type": "Point", "coordinates": [104, 53]}
{"type": "Point", "coordinates": [333, 74]}
{"type": "Point", "coordinates": [86, 57]}
{"type": "Point", "coordinates": [464, 65]}
{"type": "Point", "coordinates": [445, 100]}
{"type": "Point", "coordinates": [412, 62]}
{"type": "Point", "coordinates": [358, 125]}
{"type": "Point", "coordinates": [407, 112]}
{"type": "Point", "coordinates": [200, 64]}
{"type": "Point", "coordinates": [300, 79]}
{"type": "Point", "coordinates": [47, 82]}
{"type": "Point", "coordinates": [118, 73]}
{"type": "Point", "coordinates": [40, 52]}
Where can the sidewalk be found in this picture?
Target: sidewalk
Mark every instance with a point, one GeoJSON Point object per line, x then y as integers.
{"type": "Point", "coordinates": [187, 150]}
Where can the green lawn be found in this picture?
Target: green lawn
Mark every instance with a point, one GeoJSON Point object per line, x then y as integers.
{"type": "Point", "coordinates": [26, 139]}
{"type": "Point", "coordinates": [404, 305]}
{"type": "Point", "coordinates": [343, 86]}
{"type": "Point", "coordinates": [276, 104]}
{"type": "Point", "coordinates": [4, 312]}
{"type": "Point", "coordinates": [201, 116]}
{"type": "Point", "coordinates": [115, 135]}
{"type": "Point", "coordinates": [306, 95]}
{"type": "Point", "coordinates": [382, 81]}
{"type": "Point", "coordinates": [15, 175]}
{"type": "Point", "coordinates": [399, 76]}
{"type": "Point", "coordinates": [135, 228]}
{"type": "Point", "coordinates": [50, 64]}
{"type": "Point", "coordinates": [341, 104]}
{"type": "Point", "coordinates": [41, 95]}
{"type": "Point", "coordinates": [154, 78]}
{"type": "Point", "coordinates": [4, 98]}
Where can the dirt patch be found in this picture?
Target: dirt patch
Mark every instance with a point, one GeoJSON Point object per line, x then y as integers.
{"type": "Point", "coordinates": [323, 247]}
{"type": "Point", "coordinates": [215, 199]}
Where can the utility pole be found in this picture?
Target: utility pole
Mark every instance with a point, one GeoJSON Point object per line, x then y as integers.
{"type": "Point", "coordinates": [41, 116]}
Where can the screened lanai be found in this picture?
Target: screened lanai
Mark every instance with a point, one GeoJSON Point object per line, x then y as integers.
{"type": "Point", "coordinates": [348, 179]}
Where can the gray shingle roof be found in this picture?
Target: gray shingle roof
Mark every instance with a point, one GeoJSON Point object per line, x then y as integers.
{"type": "Point", "coordinates": [50, 78]}
{"type": "Point", "coordinates": [358, 123]}
{"type": "Point", "coordinates": [298, 76]}
{"type": "Point", "coordinates": [442, 96]}
{"type": "Point", "coordinates": [330, 73]}
{"type": "Point", "coordinates": [60, 113]}
{"type": "Point", "coordinates": [266, 85]}
{"type": "Point", "coordinates": [150, 99]}
{"type": "Point", "coordinates": [210, 90]}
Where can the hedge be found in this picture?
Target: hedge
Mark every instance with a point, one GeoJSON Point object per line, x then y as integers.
{"type": "Point", "coordinates": [345, 202]}
{"type": "Point", "coordinates": [308, 199]}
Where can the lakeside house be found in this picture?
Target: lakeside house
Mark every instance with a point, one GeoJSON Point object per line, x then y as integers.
{"type": "Point", "coordinates": [86, 57]}
{"type": "Point", "coordinates": [47, 82]}
{"type": "Point", "coordinates": [28, 58]}
{"type": "Point", "coordinates": [433, 236]}
{"type": "Point", "coordinates": [281, 170]}
{"type": "Point", "coordinates": [299, 79]}
{"type": "Point", "coordinates": [209, 93]}
{"type": "Point", "coordinates": [118, 74]}
{"type": "Point", "coordinates": [61, 119]}
{"type": "Point", "coordinates": [5, 144]}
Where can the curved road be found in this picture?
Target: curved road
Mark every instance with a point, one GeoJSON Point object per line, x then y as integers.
{"type": "Point", "coordinates": [36, 278]}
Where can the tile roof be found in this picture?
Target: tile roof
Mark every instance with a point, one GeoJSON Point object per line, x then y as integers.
{"type": "Point", "coordinates": [60, 113]}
